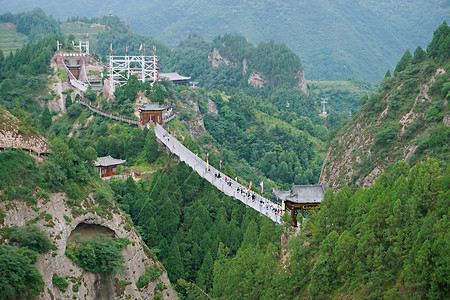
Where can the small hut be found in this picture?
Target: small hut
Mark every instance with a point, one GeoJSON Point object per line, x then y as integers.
{"type": "Point", "coordinates": [107, 166]}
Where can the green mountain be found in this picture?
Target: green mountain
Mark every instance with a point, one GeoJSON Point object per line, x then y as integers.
{"type": "Point", "coordinates": [389, 240]}
{"type": "Point", "coordinates": [407, 119]}
{"type": "Point", "coordinates": [335, 39]}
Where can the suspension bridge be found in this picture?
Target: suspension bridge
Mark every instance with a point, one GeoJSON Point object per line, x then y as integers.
{"type": "Point", "coordinates": [230, 187]}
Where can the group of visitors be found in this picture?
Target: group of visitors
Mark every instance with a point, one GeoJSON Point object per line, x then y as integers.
{"type": "Point", "coordinates": [244, 192]}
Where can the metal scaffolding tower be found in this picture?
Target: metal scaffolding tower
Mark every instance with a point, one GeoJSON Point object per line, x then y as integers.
{"type": "Point", "coordinates": [82, 46]}
{"type": "Point", "coordinates": [122, 67]}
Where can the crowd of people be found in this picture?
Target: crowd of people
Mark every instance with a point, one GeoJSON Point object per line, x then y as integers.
{"type": "Point", "coordinates": [232, 186]}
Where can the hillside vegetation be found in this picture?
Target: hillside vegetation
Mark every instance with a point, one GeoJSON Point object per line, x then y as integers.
{"type": "Point", "coordinates": [10, 39]}
{"type": "Point", "coordinates": [336, 39]}
{"type": "Point", "coordinates": [407, 119]}
{"type": "Point", "coordinates": [389, 240]}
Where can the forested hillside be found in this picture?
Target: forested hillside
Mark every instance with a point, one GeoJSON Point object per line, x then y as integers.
{"type": "Point", "coordinates": [389, 240]}
{"type": "Point", "coordinates": [407, 119]}
{"type": "Point", "coordinates": [335, 39]}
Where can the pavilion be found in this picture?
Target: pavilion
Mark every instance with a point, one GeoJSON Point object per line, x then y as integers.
{"type": "Point", "coordinates": [301, 198]}
{"type": "Point", "coordinates": [107, 166]}
{"type": "Point", "coordinates": [176, 78]}
{"type": "Point", "coordinates": [152, 112]}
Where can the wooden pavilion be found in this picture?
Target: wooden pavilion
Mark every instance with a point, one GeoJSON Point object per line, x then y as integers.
{"type": "Point", "coordinates": [301, 198]}
{"type": "Point", "coordinates": [152, 112]}
{"type": "Point", "coordinates": [107, 166]}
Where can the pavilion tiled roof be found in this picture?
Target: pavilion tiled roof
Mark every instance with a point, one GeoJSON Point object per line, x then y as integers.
{"type": "Point", "coordinates": [302, 194]}
{"type": "Point", "coordinates": [173, 76]}
{"type": "Point", "coordinates": [107, 161]}
{"type": "Point", "coordinates": [152, 107]}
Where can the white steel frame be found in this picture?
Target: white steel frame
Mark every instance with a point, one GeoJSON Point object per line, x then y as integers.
{"type": "Point", "coordinates": [82, 46]}
{"type": "Point", "coordinates": [120, 69]}
{"type": "Point", "coordinates": [324, 102]}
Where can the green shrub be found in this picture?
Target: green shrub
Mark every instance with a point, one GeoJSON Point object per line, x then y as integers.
{"type": "Point", "coordinates": [75, 287]}
{"type": "Point", "coordinates": [31, 237]}
{"type": "Point", "coordinates": [74, 110]}
{"type": "Point", "coordinates": [19, 277]}
{"type": "Point", "coordinates": [433, 114]}
{"type": "Point", "coordinates": [103, 197]}
{"type": "Point", "coordinates": [60, 282]}
{"type": "Point", "coordinates": [19, 193]}
{"type": "Point", "coordinates": [98, 254]}
{"type": "Point", "coordinates": [151, 274]}
{"type": "Point", "coordinates": [18, 169]}
{"type": "Point", "coordinates": [386, 135]}
{"type": "Point", "coordinates": [161, 286]}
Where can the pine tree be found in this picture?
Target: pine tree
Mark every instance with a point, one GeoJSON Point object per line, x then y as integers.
{"type": "Point", "coordinates": [419, 55]}
{"type": "Point", "coordinates": [250, 238]}
{"type": "Point", "coordinates": [388, 74]}
{"type": "Point", "coordinates": [403, 62]}
{"type": "Point", "coordinates": [151, 147]}
{"type": "Point", "coordinates": [205, 274]}
{"type": "Point", "coordinates": [46, 118]}
{"type": "Point", "coordinates": [68, 101]}
{"type": "Point", "coordinates": [439, 47]}
{"type": "Point", "coordinates": [174, 263]}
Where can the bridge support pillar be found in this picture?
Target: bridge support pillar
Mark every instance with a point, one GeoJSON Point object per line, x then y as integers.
{"type": "Point", "coordinates": [294, 217]}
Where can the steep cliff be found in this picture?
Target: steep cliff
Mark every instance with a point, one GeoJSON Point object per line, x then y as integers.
{"type": "Point", "coordinates": [15, 134]}
{"type": "Point", "coordinates": [27, 198]}
{"type": "Point", "coordinates": [57, 220]}
{"type": "Point", "coordinates": [407, 119]}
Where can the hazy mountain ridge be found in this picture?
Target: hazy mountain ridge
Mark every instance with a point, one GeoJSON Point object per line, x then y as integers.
{"type": "Point", "coordinates": [335, 39]}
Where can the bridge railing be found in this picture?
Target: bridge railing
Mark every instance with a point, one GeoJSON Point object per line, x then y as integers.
{"type": "Point", "coordinates": [108, 115]}
{"type": "Point", "coordinates": [231, 187]}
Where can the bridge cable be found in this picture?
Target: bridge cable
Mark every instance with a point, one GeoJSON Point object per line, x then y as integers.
{"type": "Point", "coordinates": [153, 188]}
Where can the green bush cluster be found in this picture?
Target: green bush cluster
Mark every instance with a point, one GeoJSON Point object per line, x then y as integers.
{"type": "Point", "coordinates": [19, 277]}
{"type": "Point", "coordinates": [98, 254]}
{"type": "Point", "coordinates": [60, 282]}
{"type": "Point", "coordinates": [31, 237]}
{"type": "Point", "coordinates": [151, 274]}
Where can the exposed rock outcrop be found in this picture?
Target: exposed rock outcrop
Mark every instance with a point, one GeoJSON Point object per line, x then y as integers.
{"type": "Point", "coordinates": [354, 156]}
{"type": "Point", "coordinates": [255, 79]}
{"type": "Point", "coordinates": [218, 60]}
{"type": "Point", "coordinates": [13, 134]}
{"type": "Point", "coordinates": [60, 224]}
{"type": "Point", "coordinates": [302, 85]}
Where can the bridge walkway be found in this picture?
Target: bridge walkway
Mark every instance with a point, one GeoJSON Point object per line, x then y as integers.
{"type": "Point", "coordinates": [230, 188]}
{"type": "Point", "coordinates": [108, 115]}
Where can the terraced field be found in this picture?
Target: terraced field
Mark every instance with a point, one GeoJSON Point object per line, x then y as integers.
{"type": "Point", "coordinates": [10, 40]}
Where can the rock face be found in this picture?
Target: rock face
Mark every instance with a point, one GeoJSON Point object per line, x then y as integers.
{"type": "Point", "coordinates": [14, 135]}
{"type": "Point", "coordinates": [217, 60]}
{"type": "Point", "coordinates": [60, 225]}
{"type": "Point", "coordinates": [353, 156]}
{"type": "Point", "coordinates": [255, 80]}
{"type": "Point", "coordinates": [302, 81]}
